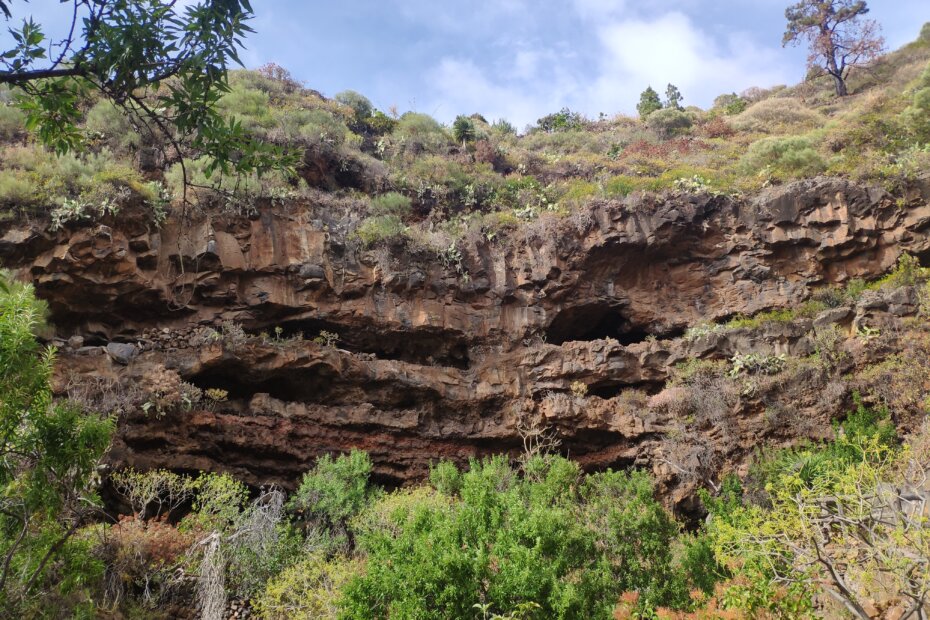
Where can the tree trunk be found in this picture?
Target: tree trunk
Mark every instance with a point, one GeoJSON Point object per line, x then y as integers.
{"type": "Point", "coordinates": [833, 67]}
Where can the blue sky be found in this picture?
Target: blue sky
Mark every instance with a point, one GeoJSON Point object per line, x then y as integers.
{"type": "Point", "coordinates": [521, 59]}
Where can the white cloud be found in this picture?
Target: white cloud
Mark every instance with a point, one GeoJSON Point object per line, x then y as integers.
{"type": "Point", "coordinates": [671, 49]}
{"type": "Point", "coordinates": [463, 88]}
{"type": "Point", "coordinates": [624, 51]}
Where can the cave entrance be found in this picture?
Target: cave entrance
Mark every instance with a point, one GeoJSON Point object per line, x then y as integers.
{"type": "Point", "coordinates": [422, 346]}
{"type": "Point", "coordinates": [923, 258]}
{"type": "Point", "coordinates": [593, 322]}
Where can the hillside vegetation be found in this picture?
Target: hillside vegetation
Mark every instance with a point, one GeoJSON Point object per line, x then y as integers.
{"type": "Point", "coordinates": [424, 184]}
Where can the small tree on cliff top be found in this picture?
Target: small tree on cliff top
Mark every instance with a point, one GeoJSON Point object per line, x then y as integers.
{"type": "Point", "coordinates": [649, 102]}
{"type": "Point", "coordinates": [838, 37]}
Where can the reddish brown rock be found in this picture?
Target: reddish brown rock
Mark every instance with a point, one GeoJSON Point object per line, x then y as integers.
{"type": "Point", "coordinates": [440, 362]}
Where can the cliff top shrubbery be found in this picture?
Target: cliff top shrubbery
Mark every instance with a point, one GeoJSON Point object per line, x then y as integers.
{"type": "Point", "coordinates": [479, 177]}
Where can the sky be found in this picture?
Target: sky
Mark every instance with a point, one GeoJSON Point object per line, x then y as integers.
{"type": "Point", "coordinates": [522, 59]}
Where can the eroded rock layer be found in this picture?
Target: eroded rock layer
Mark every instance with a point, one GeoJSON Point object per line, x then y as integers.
{"type": "Point", "coordinates": [461, 353]}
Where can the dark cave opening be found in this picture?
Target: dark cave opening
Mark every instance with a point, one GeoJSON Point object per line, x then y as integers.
{"type": "Point", "coordinates": [303, 385]}
{"type": "Point", "coordinates": [418, 346]}
{"type": "Point", "coordinates": [923, 258]}
{"type": "Point", "coordinates": [607, 389]}
{"type": "Point", "coordinates": [594, 322]}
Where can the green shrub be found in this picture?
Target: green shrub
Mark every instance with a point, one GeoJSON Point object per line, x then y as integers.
{"type": "Point", "coordinates": [777, 115]}
{"type": "Point", "coordinates": [49, 471]}
{"type": "Point", "coordinates": [446, 478]}
{"type": "Point", "coordinates": [360, 104]}
{"type": "Point", "coordinates": [380, 229]}
{"type": "Point", "coordinates": [550, 537]}
{"type": "Point", "coordinates": [563, 120]}
{"type": "Point", "coordinates": [307, 590]}
{"type": "Point", "coordinates": [768, 528]}
{"type": "Point", "coordinates": [111, 126]}
{"type": "Point", "coordinates": [219, 500]}
{"type": "Point", "coordinates": [810, 462]}
{"type": "Point", "coordinates": [236, 194]}
{"type": "Point", "coordinates": [16, 189]}
{"type": "Point", "coordinates": [12, 122]}
{"type": "Point", "coordinates": [245, 103]}
{"type": "Point", "coordinates": [789, 157]}
{"type": "Point", "coordinates": [335, 489]}
{"type": "Point", "coordinates": [907, 272]}
{"type": "Point", "coordinates": [503, 127]}
{"type": "Point", "coordinates": [636, 533]}
{"type": "Point", "coordinates": [438, 182]}
{"type": "Point", "coordinates": [278, 114]}
{"type": "Point", "coordinates": [380, 123]}
{"type": "Point", "coordinates": [681, 178]}
{"type": "Point", "coordinates": [577, 192]}
{"type": "Point", "coordinates": [778, 315]}
{"type": "Point", "coordinates": [917, 115]}
{"type": "Point", "coordinates": [518, 192]}
{"type": "Point", "coordinates": [924, 33]}
{"type": "Point", "coordinates": [620, 186]}
{"type": "Point", "coordinates": [420, 132]}
{"type": "Point", "coordinates": [93, 183]}
{"type": "Point", "coordinates": [668, 122]}
{"type": "Point", "coordinates": [564, 142]}
{"type": "Point", "coordinates": [314, 126]}
{"type": "Point", "coordinates": [392, 203]}
{"type": "Point", "coordinates": [730, 104]}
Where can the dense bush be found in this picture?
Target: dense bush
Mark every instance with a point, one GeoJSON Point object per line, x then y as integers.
{"type": "Point", "coordinates": [298, 117]}
{"type": "Point", "coordinates": [360, 104]}
{"type": "Point", "coordinates": [380, 229]}
{"type": "Point", "coordinates": [335, 490]}
{"type": "Point", "coordinates": [72, 188]}
{"type": "Point", "coordinates": [380, 123]}
{"type": "Point", "coordinates": [503, 127]}
{"type": "Point", "coordinates": [438, 183]}
{"type": "Point", "coordinates": [563, 120]}
{"type": "Point", "coordinates": [917, 115]}
{"type": "Point", "coordinates": [418, 133]}
{"type": "Point", "coordinates": [668, 122]}
{"type": "Point", "coordinates": [109, 125]}
{"type": "Point", "coordinates": [307, 590]}
{"type": "Point", "coordinates": [784, 157]}
{"type": "Point", "coordinates": [548, 535]}
{"type": "Point", "coordinates": [391, 203]}
{"type": "Point", "coordinates": [12, 122]}
{"type": "Point", "coordinates": [777, 116]}
{"type": "Point", "coordinates": [730, 104]}
{"type": "Point", "coordinates": [238, 194]}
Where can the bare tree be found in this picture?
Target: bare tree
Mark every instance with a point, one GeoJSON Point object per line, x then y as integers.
{"type": "Point", "coordinates": [256, 531]}
{"type": "Point", "coordinates": [838, 37]}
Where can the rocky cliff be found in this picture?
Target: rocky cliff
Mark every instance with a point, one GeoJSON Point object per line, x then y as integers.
{"type": "Point", "coordinates": [255, 344]}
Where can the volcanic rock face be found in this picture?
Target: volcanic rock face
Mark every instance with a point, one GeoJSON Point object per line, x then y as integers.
{"type": "Point", "coordinates": [468, 352]}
